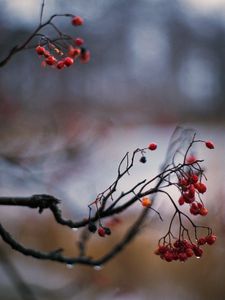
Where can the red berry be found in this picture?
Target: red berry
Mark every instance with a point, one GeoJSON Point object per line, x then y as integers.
{"type": "Point", "coordinates": [79, 41]}
{"type": "Point", "coordinates": [187, 198]}
{"type": "Point", "coordinates": [47, 53]}
{"type": "Point", "coordinates": [200, 205]}
{"type": "Point", "coordinates": [60, 64]}
{"type": "Point", "coordinates": [183, 182]}
{"type": "Point", "coordinates": [175, 256]}
{"type": "Point", "coordinates": [209, 144]}
{"type": "Point", "coordinates": [197, 251]}
{"type": "Point", "coordinates": [201, 187]}
{"type": "Point", "coordinates": [195, 205]}
{"type": "Point", "coordinates": [191, 191]}
{"type": "Point", "coordinates": [210, 239]}
{"type": "Point", "coordinates": [177, 243]}
{"type": "Point", "coordinates": [186, 244]}
{"type": "Point", "coordinates": [152, 146]}
{"type": "Point", "coordinates": [194, 178]}
{"type": "Point", "coordinates": [191, 159]}
{"type": "Point", "coordinates": [76, 52]}
{"type": "Point", "coordinates": [203, 211]}
{"type": "Point", "coordinates": [181, 200]}
{"type": "Point", "coordinates": [50, 60]}
{"type": "Point", "coordinates": [68, 61]}
{"type": "Point", "coordinates": [40, 50]}
{"type": "Point", "coordinates": [160, 250]}
{"type": "Point", "coordinates": [73, 52]}
{"type": "Point", "coordinates": [194, 210]}
{"type": "Point", "coordinates": [85, 56]}
{"type": "Point", "coordinates": [77, 21]}
{"type": "Point", "coordinates": [183, 256]}
{"type": "Point", "coordinates": [201, 241]}
{"type": "Point", "coordinates": [189, 252]}
{"type": "Point", "coordinates": [101, 231]}
{"type": "Point", "coordinates": [168, 256]}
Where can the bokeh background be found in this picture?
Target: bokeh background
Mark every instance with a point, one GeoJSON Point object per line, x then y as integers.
{"type": "Point", "coordinates": [155, 64]}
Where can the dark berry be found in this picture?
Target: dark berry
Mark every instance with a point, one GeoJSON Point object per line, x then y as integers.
{"type": "Point", "coordinates": [107, 231]}
{"type": "Point", "coordinates": [143, 159]}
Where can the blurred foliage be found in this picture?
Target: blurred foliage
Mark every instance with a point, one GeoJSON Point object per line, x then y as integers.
{"type": "Point", "coordinates": [151, 62]}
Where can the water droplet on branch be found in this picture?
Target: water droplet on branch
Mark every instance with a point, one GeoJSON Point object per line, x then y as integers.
{"type": "Point", "coordinates": [98, 268]}
{"type": "Point", "coordinates": [70, 266]}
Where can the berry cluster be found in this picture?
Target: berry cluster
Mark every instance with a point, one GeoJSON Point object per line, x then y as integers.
{"type": "Point", "coordinates": [152, 147]}
{"type": "Point", "coordinates": [183, 249]}
{"type": "Point", "coordinates": [190, 186]}
{"type": "Point", "coordinates": [102, 231]}
{"type": "Point", "coordinates": [63, 51]}
{"type": "Point", "coordinates": [187, 175]}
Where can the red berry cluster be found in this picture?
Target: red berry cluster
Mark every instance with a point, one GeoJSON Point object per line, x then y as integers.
{"type": "Point", "coordinates": [190, 186]}
{"type": "Point", "coordinates": [209, 239]}
{"type": "Point", "coordinates": [66, 54]}
{"type": "Point", "coordinates": [102, 231]}
{"type": "Point", "coordinates": [181, 250]}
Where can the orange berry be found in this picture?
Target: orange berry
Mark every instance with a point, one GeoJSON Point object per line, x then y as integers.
{"type": "Point", "coordinates": [146, 202]}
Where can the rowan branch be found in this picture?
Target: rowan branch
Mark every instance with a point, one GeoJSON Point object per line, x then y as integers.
{"type": "Point", "coordinates": [37, 32]}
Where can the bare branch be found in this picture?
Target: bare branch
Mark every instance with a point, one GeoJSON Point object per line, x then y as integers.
{"type": "Point", "coordinates": [42, 11]}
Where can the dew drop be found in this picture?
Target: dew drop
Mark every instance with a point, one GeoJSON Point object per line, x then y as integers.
{"type": "Point", "coordinates": [98, 268]}
{"type": "Point", "coordinates": [198, 257]}
{"type": "Point", "coordinates": [69, 266]}
{"type": "Point", "coordinates": [75, 229]}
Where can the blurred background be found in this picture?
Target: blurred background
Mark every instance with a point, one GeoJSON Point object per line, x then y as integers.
{"type": "Point", "coordinates": [154, 64]}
